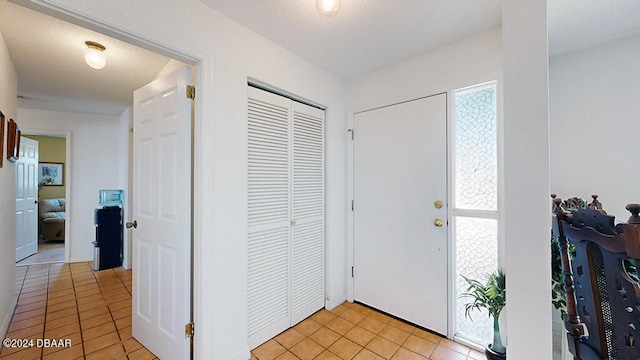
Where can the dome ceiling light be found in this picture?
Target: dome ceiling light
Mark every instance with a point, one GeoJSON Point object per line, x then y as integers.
{"type": "Point", "coordinates": [328, 8]}
{"type": "Point", "coordinates": [94, 55]}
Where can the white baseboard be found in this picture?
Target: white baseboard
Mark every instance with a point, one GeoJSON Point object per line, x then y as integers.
{"type": "Point", "coordinates": [241, 355]}
{"type": "Point", "coordinates": [334, 301]}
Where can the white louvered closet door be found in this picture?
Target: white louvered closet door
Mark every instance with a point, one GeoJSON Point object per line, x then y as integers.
{"type": "Point", "coordinates": [268, 210]}
{"type": "Point", "coordinates": [307, 245]}
{"type": "Point", "coordinates": [285, 213]}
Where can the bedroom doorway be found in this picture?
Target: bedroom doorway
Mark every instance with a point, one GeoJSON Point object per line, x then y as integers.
{"type": "Point", "coordinates": [52, 196]}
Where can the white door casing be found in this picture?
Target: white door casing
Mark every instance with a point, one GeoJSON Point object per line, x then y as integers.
{"type": "Point", "coordinates": [399, 172]}
{"type": "Point", "coordinates": [285, 251]}
{"type": "Point", "coordinates": [26, 199]}
{"type": "Point", "coordinates": [162, 208]}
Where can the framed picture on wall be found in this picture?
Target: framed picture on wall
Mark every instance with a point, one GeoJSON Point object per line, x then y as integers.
{"type": "Point", "coordinates": [13, 141]}
{"type": "Point", "coordinates": [2, 122]}
{"type": "Point", "coordinates": [51, 174]}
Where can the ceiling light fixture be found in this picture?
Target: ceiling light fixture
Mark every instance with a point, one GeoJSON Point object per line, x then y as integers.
{"type": "Point", "coordinates": [328, 8]}
{"type": "Point", "coordinates": [94, 55]}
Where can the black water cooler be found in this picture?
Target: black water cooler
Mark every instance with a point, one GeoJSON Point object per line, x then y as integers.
{"type": "Point", "coordinates": [107, 251]}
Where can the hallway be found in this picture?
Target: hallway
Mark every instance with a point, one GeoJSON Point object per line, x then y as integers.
{"type": "Point", "coordinates": [71, 301]}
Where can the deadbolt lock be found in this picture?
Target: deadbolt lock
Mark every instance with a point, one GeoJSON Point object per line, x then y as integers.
{"type": "Point", "coordinates": [438, 222]}
{"type": "Point", "coordinates": [438, 204]}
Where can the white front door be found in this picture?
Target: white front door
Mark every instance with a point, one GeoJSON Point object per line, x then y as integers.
{"type": "Point", "coordinates": [26, 199]}
{"type": "Point", "coordinates": [400, 255]}
{"type": "Point", "coordinates": [162, 211]}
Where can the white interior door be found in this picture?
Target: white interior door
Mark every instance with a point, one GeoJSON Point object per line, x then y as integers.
{"type": "Point", "coordinates": [162, 210]}
{"type": "Point", "coordinates": [400, 255]}
{"type": "Point", "coordinates": [26, 199]}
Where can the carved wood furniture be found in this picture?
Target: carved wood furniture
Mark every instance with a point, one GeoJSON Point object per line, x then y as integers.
{"type": "Point", "coordinates": [601, 283]}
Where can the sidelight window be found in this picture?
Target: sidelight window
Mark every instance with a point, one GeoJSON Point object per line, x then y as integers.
{"type": "Point", "coordinates": [475, 211]}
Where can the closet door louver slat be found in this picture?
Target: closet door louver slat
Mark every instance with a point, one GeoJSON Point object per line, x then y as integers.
{"type": "Point", "coordinates": [308, 211]}
{"type": "Point", "coordinates": [268, 216]}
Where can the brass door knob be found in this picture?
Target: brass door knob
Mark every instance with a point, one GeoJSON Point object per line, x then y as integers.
{"type": "Point", "coordinates": [438, 204]}
{"type": "Point", "coordinates": [133, 224]}
{"type": "Point", "coordinates": [438, 222]}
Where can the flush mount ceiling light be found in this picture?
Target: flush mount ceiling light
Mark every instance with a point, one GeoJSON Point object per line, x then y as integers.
{"type": "Point", "coordinates": [328, 8]}
{"type": "Point", "coordinates": [94, 55]}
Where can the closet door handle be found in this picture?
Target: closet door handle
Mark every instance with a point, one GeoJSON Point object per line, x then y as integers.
{"type": "Point", "coordinates": [293, 222]}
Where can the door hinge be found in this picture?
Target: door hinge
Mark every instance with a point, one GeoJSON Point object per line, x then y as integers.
{"type": "Point", "coordinates": [352, 204]}
{"type": "Point", "coordinates": [189, 330]}
{"type": "Point", "coordinates": [352, 272]}
{"type": "Point", "coordinates": [352, 133]}
{"type": "Point", "coordinates": [191, 92]}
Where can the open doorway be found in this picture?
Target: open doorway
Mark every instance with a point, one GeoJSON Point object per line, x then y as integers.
{"type": "Point", "coordinates": [52, 199]}
{"type": "Point", "coordinates": [97, 110]}
{"type": "Point", "coordinates": [100, 161]}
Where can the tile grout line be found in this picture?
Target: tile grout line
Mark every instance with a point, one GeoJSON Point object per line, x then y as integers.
{"type": "Point", "coordinates": [114, 320]}
{"type": "Point", "coordinates": [102, 293]}
{"type": "Point", "coordinates": [375, 334]}
{"type": "Point", "coordinates": [46, 306]}
{"type": "Point", "coordinates": [339, 315]}
{"type": "Point", "coordinates": [75, 297]}
{"type": "Point", "coordinates": [46, 278]}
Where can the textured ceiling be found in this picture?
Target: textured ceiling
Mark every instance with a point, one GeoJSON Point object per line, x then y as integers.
{"type": "Point", "coordinates": [366, 35]}
{"type": "Point", "coordinates": [48, 55]}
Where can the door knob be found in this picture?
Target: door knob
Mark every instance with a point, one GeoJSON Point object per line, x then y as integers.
{"type": "Point", "coordinates": [133, 224]}
{"type": "Point", "coordinates": [438, 204]}
{"type": "Point", "coordinates": [438, 222]}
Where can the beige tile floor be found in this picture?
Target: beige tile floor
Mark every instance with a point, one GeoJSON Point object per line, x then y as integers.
{"type": "Point", "coordinates": [353, 331]}
{"type": "Point", "coordinates": [71, 301]}
{"type": "Point", "coordinates": [93, 310]}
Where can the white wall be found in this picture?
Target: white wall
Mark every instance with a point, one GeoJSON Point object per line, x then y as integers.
{"type": "Point", "coordinates": [460, 64]}
{"type": "Point", "coordinates": [595, 124]}
{"type": "Point", "coordinates": [230, 54]}
{"type": "Point", "coordinates": [8, 92]}
{"type": "Point", "coordinates": [94, 165]}
{"type": "Point", "coordinates": [171, 66]}
{"type": "Point", "coordinates": [526, 179]}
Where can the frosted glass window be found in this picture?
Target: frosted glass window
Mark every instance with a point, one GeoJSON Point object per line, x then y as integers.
{"type": "Point", "coordinates": [475, 147]}
{"type": "Point", "coordinates": [475, 216]}
{"type": "Point", "coordinates": [476, 256]}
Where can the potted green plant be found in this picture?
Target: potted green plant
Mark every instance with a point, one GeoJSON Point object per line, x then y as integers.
{"type": "Point", "coordinates": [490, 296]}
